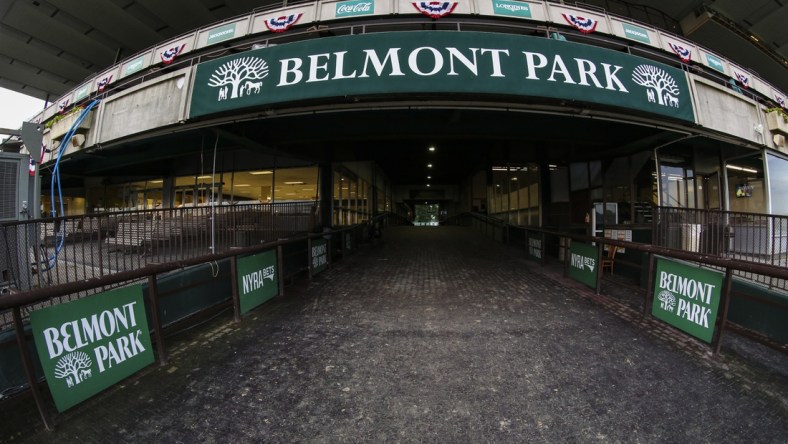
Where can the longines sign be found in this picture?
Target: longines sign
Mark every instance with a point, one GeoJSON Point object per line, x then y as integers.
{"type": "Point", "coordinates": [438, 63]}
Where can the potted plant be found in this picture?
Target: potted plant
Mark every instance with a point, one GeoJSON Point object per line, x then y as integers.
{"type": "Point", "coordinates": [777, 120]}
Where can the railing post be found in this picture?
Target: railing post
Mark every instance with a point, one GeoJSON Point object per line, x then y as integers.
{"type": "Point", "coordinates": [234, 289]}
{"type": "Point", "coordinates": [280, 267]}
{"type": "Point", "coordinates": [153, 296]}
{"type": "Point", "coordinates": [722, 319]}
{"type": "Point", "coordinates": [309, 256]}
{"type": "Point", "coordinates": [29, 372]}
{"type": "Point", "coordinates": [599, 251]}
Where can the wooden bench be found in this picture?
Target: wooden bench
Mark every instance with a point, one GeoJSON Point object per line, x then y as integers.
{"type": "Point", "coordinates": [69, 229]}
{"type": "Point", "coordinates": [133, 235]}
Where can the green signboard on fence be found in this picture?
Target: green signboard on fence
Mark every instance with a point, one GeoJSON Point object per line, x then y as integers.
{"type": "Point", "coordinates": [319, 255]}
{"type": "Point", "coordinates": [535, 245]}
{"type": "Point", "coordinates": [584, 263]}
{"type": "Point", "coordinates": [257, 279]}
{"type": "Point", "coordinates": [687, 297]}
{"type": "Point", "coordinates": [511, 8]}
{"type": "Point", "coordinates": [90, 344]}
{"type": "Point", "coordinates": [435, 63]}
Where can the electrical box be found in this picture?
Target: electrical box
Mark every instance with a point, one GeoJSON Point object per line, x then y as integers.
{"type": "Point", "coordinates": [15, 182]}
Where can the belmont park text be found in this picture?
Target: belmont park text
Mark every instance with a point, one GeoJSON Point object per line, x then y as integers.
{"type": "Point", "coordinates": [427, 61]}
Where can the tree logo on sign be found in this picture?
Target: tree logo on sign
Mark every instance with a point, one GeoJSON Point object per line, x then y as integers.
{"type": "Point", "coordinates": [74, 368]}
{"type": "Point", "coordinates": [662, 88]}
{"type": "Point", "coordinates": [239, 77]}
{"type": "Point", "coordinates": [667, 300]}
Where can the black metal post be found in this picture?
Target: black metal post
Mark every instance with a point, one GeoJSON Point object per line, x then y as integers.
{"type": "Point", "coordinates": [280, 269]}
{"type": "Point", "coordinates": [309, 256]}
{"type": "Point", "coordinates": [647, 297]}
{"type": "Point", "coordinates": [29, 372]}
{"type": "Point", "coordinates": [722, 318]}
{"type": "Point", "coordinates": [599, 271]}
{"type": "Point", "coordinates": [153, 296]}
{"type": "Point", "coordinates": [234, 288]}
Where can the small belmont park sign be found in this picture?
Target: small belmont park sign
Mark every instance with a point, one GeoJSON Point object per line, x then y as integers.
{"type": "Point", "coordinates": [439, 63]}
{"type": "Point", "coordinates": [687, 297]}
{"type": "Point", "coordinates": [89, 344]}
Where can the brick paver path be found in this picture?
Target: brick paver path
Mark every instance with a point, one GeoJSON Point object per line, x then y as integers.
{"type": "Point", "coordinates": [436, 335]}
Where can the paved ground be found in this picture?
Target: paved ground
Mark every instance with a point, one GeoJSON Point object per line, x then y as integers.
{"type": "Point", "coordinates": [437, 335]}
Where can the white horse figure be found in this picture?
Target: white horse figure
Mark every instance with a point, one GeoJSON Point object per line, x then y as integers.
{"type": "Point", "coordinates": [253, 87]}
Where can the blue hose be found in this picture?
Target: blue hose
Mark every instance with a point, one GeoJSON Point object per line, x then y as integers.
{"type": "Point", "coordinates": [60, 234]}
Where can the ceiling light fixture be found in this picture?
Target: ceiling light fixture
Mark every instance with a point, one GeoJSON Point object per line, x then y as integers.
{"type": "Point", "coordinates": [261, 172]}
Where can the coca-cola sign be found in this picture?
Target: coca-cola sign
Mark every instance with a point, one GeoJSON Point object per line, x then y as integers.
{"type": "Point", "coordinates": [355, 7]}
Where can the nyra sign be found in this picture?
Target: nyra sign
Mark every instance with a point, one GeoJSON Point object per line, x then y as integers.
{"type": "Point", "coordinates": [687, 297]}
{"type": "Point", "coordinates": [257, 279]}
{"type": "Point", "coordinates": [89, 344]}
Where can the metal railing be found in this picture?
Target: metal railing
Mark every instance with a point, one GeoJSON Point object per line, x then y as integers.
{"type": "Point", "coordinates": [558, 243]}
{"type": "Point", "coordinates": [57, 251]}
{"type": "Point", "coordinates": [747, 237]}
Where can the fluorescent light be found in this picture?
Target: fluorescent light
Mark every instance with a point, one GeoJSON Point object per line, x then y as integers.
{"type": "Point", "coordinates": [156, 181]}
{"type": "Point", "coordinates": [429, 165]}
{"type": "Point", "coordinates": [429, 177]}
{"type": "Point", "coordinates": [428, 184]}
{"type": "Point", "coordinates": [432, 148]}
{"type": "Point", "coordinates": [295, 182]}
{"type": "Point", "coordinates": [204, 177]}
{"type": "Point", "coordinates": [261, 172]}
{"type": "Point", "coordinates": [738, 168]}
{"type": "Point", "coordinates": [242, 185]}
{"type": "Point", "coordinates": [307, 189]}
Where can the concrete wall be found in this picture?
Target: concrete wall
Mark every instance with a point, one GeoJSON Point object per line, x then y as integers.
{"type": "Point", "coordinates": [148, 106]}
{"type": "Point", "coordinates": [722, 109]}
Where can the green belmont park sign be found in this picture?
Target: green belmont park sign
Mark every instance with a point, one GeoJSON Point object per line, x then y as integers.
{"type": "Point", "coordinates": [439, 62]}
{"type": "Point", "coordinates": [87, 345]}
{"type": "Point", "coordinates": [687, 297]}
{"type": "Point", "coordinates": [257, 279]}
{"type": "Point", "coordinates": [319, 255]}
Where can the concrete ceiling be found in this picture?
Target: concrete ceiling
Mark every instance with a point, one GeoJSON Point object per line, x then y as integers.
{"type": "Point", "coordinates": [49, 46]}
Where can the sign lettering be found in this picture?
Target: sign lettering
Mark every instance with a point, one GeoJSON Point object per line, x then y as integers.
{"type": "Point", "coordinates": [89, 344]}
{"type": "Point", "coordinates": [583, 259]}
{"type": "Point", "coordinates": [687, 297]}
{"type": "Point", "coordinates": [220, 34]}
{"type": "Point", "coordinates": [636, 33]}
{"type": "Point", "coordinates": [511, 8]}
{"type": "Point", "coordinates": [355, 7]}
{"type": "Point", "coordinates": [257, 279]}
{"type": "Point", "coordinates": [436, 63]}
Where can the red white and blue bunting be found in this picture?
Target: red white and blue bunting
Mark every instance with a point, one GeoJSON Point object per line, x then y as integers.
{"type": "Point", "coordinates": [435, 10]}
{"type": "Point", "coordinates": [169, 55]}
{"type": "Point", "coordinates": [584, 25]}
{"type": "Point", "coordinates": [684, 54]}
{"type": "Point", "coordinates": [102, 84]}
{"type": "Point", "coordinates": [32, 167]}
{"type": "Point", "coordinates": [62, 106]}
{"type": "Point", "coordinates": [780, 101]}
{"type": "Point", "coordinates": [283, 23]}
{"type": "Point", "coordinates": [744, 80]}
